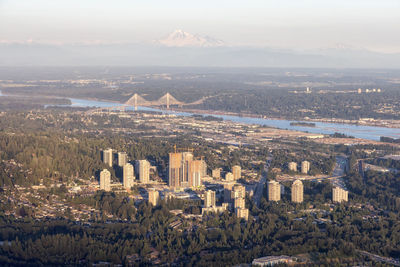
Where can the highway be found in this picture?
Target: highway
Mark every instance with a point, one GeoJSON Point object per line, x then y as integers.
{"type": "Point", "coordinates": [378, 258]}
{"type": "Point", "coordinates": [260, 186]}
{"type": "Point", "coordinates": [337, 174]}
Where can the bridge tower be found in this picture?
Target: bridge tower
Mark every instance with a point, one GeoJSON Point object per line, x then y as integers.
{"type": "Point", "coordinates": [135, 101]}
{"type": "Point", "coordinates": [167, 100]}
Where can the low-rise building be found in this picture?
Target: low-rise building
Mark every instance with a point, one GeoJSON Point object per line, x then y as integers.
{"type": "Point", "coordinates": [216, 173]}
{"type": "Point", "coordinates": [272, 260]}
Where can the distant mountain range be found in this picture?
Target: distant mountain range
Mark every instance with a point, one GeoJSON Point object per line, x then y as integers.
{"type": "Point", "coordinates": [184, 49]}
{"type": "Point", "coordinates": [180, 38]}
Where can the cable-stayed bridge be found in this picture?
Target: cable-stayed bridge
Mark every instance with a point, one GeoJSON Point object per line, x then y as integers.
{"type": "Point", "coordinates": [136, 100]}
{"type": "Point", "coordinates": [166, 100]}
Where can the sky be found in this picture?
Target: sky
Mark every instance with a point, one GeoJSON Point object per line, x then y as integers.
{"type": "Point", "coordinates": [299, 24]}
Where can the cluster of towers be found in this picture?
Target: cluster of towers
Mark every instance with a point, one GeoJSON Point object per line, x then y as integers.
{"type": "Point", "coordinates": [233, 175]}
{"type": "Point", "coordinates": [274, 191]}
{"type": "Point", "coordinates": [142, 170]}
{"type": "Point", "coordinates": [305, 166]}
{"type": "Point", "coordinates": [185, 171]}
{"type": "Point", "coordinates": [374, 90]}
{"type": "Point", "coordinates": [234, 196]}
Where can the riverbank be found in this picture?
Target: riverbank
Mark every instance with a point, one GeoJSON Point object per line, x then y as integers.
{"type": "Point", "coordinates": [367, 130]}
{"type": "Point", "coordinates": [394, 124]}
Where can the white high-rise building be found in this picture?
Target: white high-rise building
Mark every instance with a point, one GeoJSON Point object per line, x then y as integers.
{"type": "Point", "coordinates": [122, 159]}
{"type": "Point", "coordinates": [203, 168]}
{"type": "Point", "coordinates": [238, 191]}
{"type": "Point", "coordinates": [297, 191]}
{"type": "Point", "coordinates": [242, 213]}
{"type": "Point", "coordinates": [237, 172]}
{"type": "Point", "coordinates": [154, 197]}
{"type": "Point", "coordinates": [195, 173]}
{"type": "Point", "coordinates": [128, 176]}
{"type": "Point", "coordinates": [274, 191]}
{"type": "Point", "coordinates": [305, 167]}
{"type": "Point", "coordinates": [229, 177]}
{"type": "Point", "coordinates": [143, 171]}
{"type": "Point", "coordinates": [239, 203]}
{"type": "Point", "coordinates": [292, 166]}
{"type": "Point", "coordinates": [179, 169]}
{"type": "Point", "coordinates": [209, 199]}
{"type": "Point", "coordinates": [108, 157]}
{"type": "Point", "coordinates": [339, 195]}
{"type": "Point", "coordinates": [105, 180]}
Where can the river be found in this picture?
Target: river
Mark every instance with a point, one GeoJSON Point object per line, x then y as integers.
{"type": "Point", "coordinates": [358, 131]}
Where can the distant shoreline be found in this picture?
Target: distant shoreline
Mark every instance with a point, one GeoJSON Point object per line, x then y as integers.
{"type": "Point", "coordinates": [393, 124]}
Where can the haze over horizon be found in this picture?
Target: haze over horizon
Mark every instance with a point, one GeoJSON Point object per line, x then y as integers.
{"type": "Point", "coordinates": [307, 24]}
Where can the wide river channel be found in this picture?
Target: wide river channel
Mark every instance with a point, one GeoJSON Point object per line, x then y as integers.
{"type": "Point", "coordinates": [358, 131]}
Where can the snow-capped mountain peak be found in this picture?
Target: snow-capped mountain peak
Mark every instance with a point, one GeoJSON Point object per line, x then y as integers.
{"type": "Point", "coordinates": [180, 38]}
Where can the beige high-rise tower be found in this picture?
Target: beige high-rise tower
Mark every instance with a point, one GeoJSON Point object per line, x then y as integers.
{"type": "Point", "coordinates": [122, 159]}
{"type": "Point", "coordinates": [105, 180]}
{"type": "Point", "coordinates": [187, 158]}
{"type": "Point", "coordinates": [274, 191]}
{"type": "Point", "coordinates": [209, 199]}
{"type": "Point", "coordinates": [242, 213]}
{"type": "Point", "coordinates": [128, 176]}
{"type": "Point", "coordinates": [339, 194]}
{"type": "Point", "coordinates": [154, 197]}
{"type": "Point", "coordinates": [179, 169]}
{"type": "Point", "coordinates": [229, 177]}
{"type": "Point", "coordinates": [108, 157]}
{"type": "Point", "coordinates": [305, 167]}
{"type": "Point", "coordinates": [195, 173]}
{"type": "Point", "coordinates": [238, 191]}
{"type": "Point", "coordinates": [175, 162]}
{"type": "Point", "coordinates": [237, 172]}
{"type": "Point", "coordinates": [203, 168]}
{"type": "Point", "coordinates": [143, 171]}
{"type": "Point", "coordinates": [239, 203]}
{"type": "Point", "coordinates": [297, 191]}
{"type": "Point", "coordinates": [292, 166]}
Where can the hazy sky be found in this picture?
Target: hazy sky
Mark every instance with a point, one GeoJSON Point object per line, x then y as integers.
{"type": "Point", "coordinates": [278, 23]}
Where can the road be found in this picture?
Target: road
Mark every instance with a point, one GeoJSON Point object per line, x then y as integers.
{"type": "Point", "coordinates": [337, 174]}
{"type": "Point", "coordinates": [380, 258]}
{"type": "Point", "coordinates": [260, 186]}
{"type": "Point", "coordinates": [335, 178]}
